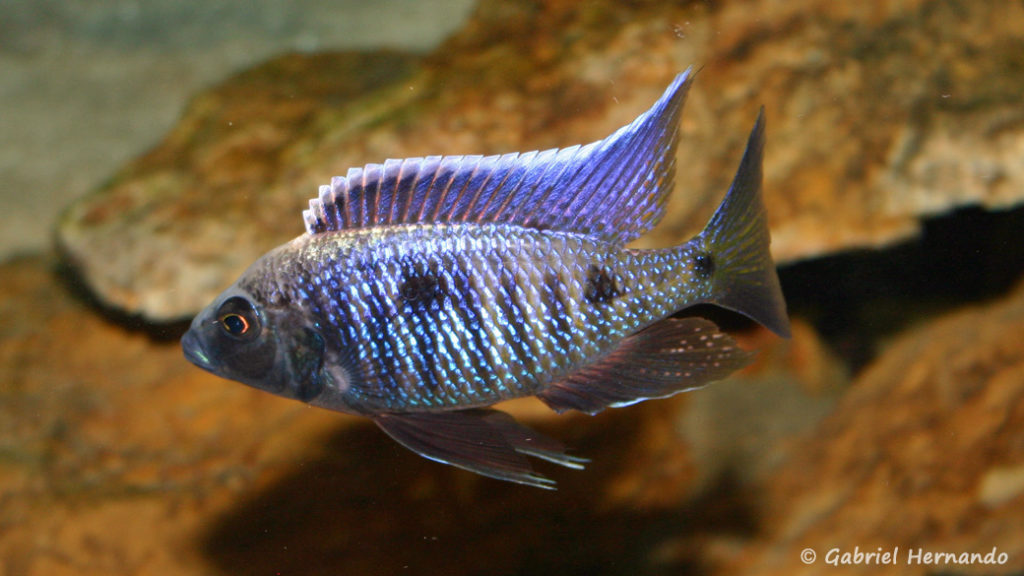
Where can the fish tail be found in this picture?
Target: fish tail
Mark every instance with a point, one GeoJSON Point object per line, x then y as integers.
{"type": "Point", "coordinates": [732, 262]}
{"type": "Point", "coordinates": [734, 246]}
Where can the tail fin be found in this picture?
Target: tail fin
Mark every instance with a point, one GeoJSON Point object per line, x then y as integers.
{"type": "Point", "coordinates": [737, 238]}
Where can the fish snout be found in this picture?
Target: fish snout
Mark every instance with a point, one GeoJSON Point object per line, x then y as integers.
{"type": "Point", "coordinates": [192, 345]}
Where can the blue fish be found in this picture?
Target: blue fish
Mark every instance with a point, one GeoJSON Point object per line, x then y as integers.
{"type": "Point", "coordinates": [425, 290]}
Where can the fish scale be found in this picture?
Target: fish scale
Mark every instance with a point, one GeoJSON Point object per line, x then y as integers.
{"type": "Point", "coordinates": [553, 325]}
{"type": "Point", "coordinates": [427, 289]}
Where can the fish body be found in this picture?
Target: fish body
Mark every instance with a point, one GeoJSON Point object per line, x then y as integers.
{"type": "Point", "coordinates": [427, 289]}
{"type": "Point", "coordinates": [440, 317]}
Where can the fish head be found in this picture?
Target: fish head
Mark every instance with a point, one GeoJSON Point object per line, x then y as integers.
{"type": "Point", "coordinates": [243, 337]}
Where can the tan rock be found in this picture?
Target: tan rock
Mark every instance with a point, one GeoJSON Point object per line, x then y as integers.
{"type": "Point", "coordinates": [117, 456]}
{"type": "Point", "coordinates": [924, 453]}
{"type": "Point", "coordinates": [114, 452]}
{"type": "Point", "coordinates": [879, 113]}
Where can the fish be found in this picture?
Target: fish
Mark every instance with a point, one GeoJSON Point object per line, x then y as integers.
{"type": "Point", "coordinates": [426, 290]}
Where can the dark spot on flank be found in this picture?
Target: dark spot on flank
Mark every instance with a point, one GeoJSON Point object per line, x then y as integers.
{"type": "Point", "coordinates": [601, 285]}
{"type": "Point", "coordinates": [703, 264]}
{"type": "Point", "coordinates": [422, 292]}
{"type": "Point", "coordinates": [421, 288]}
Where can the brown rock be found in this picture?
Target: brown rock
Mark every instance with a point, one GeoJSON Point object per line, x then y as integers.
{"type": "Point", "coordinates": [110, 442]}
{"type": "Point", "coordinates": [212, 196]}
{"type": "Point", "coordinates": [879, 113]}
{"type": "Point", "coordinates": [742, 428]}
{"type": "Point", "coordinates": [926, 452]}
{"type": "Point", "coordinates": [119, 457]}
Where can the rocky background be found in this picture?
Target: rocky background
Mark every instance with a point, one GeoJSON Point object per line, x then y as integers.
{"type": "Point", "coordinates": [86, 86]}
{"type": "Point", "coordinates": [894, 417]}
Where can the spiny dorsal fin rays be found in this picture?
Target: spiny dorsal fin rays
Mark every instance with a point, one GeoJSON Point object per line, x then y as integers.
{"type": "Point", "coordinates": [614, 189]}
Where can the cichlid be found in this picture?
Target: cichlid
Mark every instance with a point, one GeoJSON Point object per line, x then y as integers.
{"type": "Point", "coordinates": [427, 289]}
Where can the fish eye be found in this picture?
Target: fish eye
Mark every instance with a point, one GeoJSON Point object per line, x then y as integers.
{"type": "Point", "coordinates": [238, 318]}
{"type": "Point", "coordinates": [235, 324]}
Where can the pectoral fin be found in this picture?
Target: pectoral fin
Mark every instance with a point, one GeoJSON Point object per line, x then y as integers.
{"type": "Point", "coordinates": [671, 356]}
{"type": "Point", "coordinates": [485, 441]}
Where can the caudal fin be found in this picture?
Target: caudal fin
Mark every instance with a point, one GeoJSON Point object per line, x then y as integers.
{"type": "Point", "coordinates": [737, 240]}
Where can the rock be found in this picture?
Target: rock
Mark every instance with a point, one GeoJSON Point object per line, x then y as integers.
{"type": "Point", "coordinates": [228, 163]}
{"type": "Point", "coordinates": [117, 456]}
{"type": "Point", "coordinates": [111, 442]}
{"type": "Point", "coordinates": [727, 427]}
{"type": "Point", "coordinates": [878, 115]}
{"type": "Point", "coordinates": [924, 452]}
{"type": "Point", "coordinates": [132, 69]}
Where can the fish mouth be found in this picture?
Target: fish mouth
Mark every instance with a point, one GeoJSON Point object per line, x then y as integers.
{"type": "Point", "coordinates": [194, 352]}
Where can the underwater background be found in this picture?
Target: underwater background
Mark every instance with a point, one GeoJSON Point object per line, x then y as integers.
{"type": "Point", "coordinates": [149, 151]}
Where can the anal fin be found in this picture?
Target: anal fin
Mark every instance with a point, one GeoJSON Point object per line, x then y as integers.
{"type": "Point", "coordinates": [485, 441]}
{"type": "Point", "coordinates": [671, 356]}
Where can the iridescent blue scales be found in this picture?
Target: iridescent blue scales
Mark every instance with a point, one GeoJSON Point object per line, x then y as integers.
{"type": "Point", "coordinates": [426, 290]}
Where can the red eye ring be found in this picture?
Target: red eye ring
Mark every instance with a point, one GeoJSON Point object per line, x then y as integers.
{"type": "Point", "coordinates": [238, 319]}
{"type": "Point", "coordinates": [235, 324]}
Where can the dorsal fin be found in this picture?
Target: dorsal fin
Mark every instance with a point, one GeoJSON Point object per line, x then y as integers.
{"type": "Point", "coordinates": [614, 189]}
